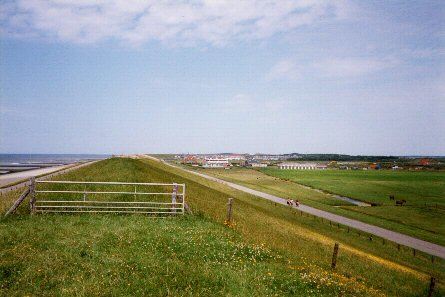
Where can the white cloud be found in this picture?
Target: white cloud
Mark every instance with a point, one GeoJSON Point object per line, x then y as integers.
{"type": "Point", "coordinates": [284, 69]}
{"type": "Point", "coordinates": [351, 67]}
{"type": "Point", "coordinates": [424, 53]}
{"type": "Point", "coordinates": [339, 68]}
{"type": "Point", "coordinates": [273, 109]}
{"type": "Point", "coordinates": [238, 101]}
{"type": "Point", "coordinates": [4, 110]}
{"type": "Point", "coordinates": [135, 22]}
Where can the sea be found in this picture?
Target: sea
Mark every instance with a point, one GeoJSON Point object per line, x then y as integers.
{"type": "Point", "coordinates": [19, 162]}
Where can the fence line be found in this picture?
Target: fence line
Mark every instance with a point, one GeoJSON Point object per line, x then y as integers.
{"type": "Point", "coordinates": [39, 205]}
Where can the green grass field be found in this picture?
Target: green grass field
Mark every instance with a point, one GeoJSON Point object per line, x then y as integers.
{"type": "Point", "coordinates": [373, 186]}
{"type": "Point", "coordinates": [270, 250]}
{"type": "Point", "coordinates": [423, 191]}
{"type": "Point", "coordinates": [116, 255]}
{"type": "Point", "coordinates": [425, 222]}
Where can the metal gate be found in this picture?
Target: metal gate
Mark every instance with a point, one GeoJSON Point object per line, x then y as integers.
{"type": "Point", "coordinates": [107, 197]}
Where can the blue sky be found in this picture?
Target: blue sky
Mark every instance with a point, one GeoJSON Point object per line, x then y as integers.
{"type": "Point", "coordinates": [222, 76]}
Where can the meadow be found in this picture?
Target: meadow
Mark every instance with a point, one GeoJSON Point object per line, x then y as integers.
{"type": "Point", "coordinates": [268, 250]}
{"type": "Point", "coordinates": [424, 193]}
{"type": "Point", "coordinates": [424, 222]}
{"type": "Point", "coordinates": [373, 186]}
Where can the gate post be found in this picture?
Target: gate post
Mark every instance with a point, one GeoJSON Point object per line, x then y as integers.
{"type": "Point", "coordinates": [32, 192]}
{"type": "Point", "coordinates": [174, 192]}
{"type": "Point", "coordinates": [183, 198]}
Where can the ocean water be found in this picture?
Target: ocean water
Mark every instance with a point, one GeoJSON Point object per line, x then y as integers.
{"type": "Point", "coordinates": [29, 159]}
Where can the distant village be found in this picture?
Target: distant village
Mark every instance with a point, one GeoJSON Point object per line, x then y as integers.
{"type": "Point", "coordinates": [298, 162]}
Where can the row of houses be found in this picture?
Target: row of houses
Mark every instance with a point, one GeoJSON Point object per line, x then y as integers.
{"type": "Point", "coordinates": [215, 163]}
{"type": "Point", "coordinates": [302, 166]}
{"type": "Point", "coordinates": [225, 162]}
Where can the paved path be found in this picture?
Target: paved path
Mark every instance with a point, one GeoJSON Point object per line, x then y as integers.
{"type": "Point", "coordinates": [10, 178]}
{"type": "Point", "coordinates": [420, 245]}
{"type": "Point", "coordinates": [51, 172]}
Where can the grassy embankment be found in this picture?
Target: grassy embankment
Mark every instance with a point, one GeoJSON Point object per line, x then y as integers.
{"type": "Point", "coordinates": [414, 219]}
{"type": "Point", "coordinates": [270, 250]}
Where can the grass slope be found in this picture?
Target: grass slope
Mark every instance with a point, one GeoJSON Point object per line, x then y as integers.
{"type": "Point", "coordinates": [134, 256]}
{"type": "Point", "coordinates": [270, 251]}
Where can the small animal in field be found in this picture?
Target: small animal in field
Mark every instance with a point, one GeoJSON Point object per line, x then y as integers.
{"type": "Point", "coordinates": [400, 202]}
{"type": "Point", "coordinates": [391, 196]}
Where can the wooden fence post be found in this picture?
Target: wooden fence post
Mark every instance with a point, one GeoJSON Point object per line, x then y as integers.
{"type": "Point", "coordinates": [414, 252]}
{"type": "Point", "coordinates": [432, 284]}
{"type": "Point", "coordinates": [229, 211]}
{"type": "Point", "coordinates": [174, 193]}
{"type": "Point", "coordinates": [32, 192]}
{"type": "Point", "coordinates": [398, 246]}
{"type": "Point", "coordinates": [18, 202]}
{"type": "Point", "coordinates": [334, 256]}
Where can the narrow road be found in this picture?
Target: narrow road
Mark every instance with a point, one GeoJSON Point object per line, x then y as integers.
{"type": "Point", "coordinates": [53, 171]}
{"type": "Point", "coordinates": [418, 244]}
{"type": "Point", "coordinates": [10, 178]}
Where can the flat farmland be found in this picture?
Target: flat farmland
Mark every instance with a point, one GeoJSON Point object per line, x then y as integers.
{"type": "Point", "coordinates": [424, 192]}
{"type": "Point", "coordinates": [422, 217]}
{"type": "Point", "coordinates": [417, 188]}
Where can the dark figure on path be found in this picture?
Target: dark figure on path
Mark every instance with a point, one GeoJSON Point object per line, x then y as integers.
{"type": "Point", "coordinates": [289, 202]}
{"type": "Point", "coordinates": [400, 202]}
{"type": "Point", "coordinates": [297, 203]}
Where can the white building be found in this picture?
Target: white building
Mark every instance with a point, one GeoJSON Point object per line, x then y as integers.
{"type": "Point", "coordinates": [236, 157]}
{"type": "Point", "coordinates": [322, 167]}
{"type": "Point", "coordinates": [216, 163]}
{"type": "Point", "coordinates": [299, 166]}
{"type": "Point", "coordinates": [258, 165]}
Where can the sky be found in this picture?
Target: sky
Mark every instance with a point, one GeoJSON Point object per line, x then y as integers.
{"type": "Point", "coordinates": [203, 76]}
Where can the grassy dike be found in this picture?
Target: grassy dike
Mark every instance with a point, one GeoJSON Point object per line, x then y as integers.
{"type": "Point", "coordinates": [271, 250]}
